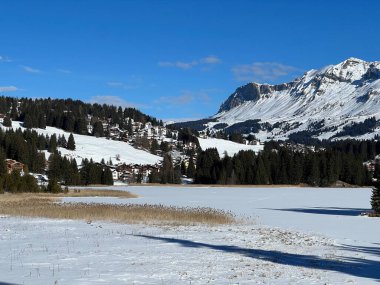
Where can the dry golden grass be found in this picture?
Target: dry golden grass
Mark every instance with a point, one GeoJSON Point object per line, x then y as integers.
{"type": "Point", "coordinates": [32, 205]}
{"type": "Point", "coordinates": [70, 193]}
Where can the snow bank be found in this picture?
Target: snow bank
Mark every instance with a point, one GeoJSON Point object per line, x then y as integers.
{"type": "Point", "coordinates": [227, 146]}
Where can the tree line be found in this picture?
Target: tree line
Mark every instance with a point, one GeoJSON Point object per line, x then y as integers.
{"type": "Point", "coordinates": [281, 166]}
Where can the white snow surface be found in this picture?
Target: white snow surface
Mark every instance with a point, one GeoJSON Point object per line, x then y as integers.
{"type": "Point", "coordinates": [98, 148]}
{"type": "Point", "coordinates": [286, 236]}
{"type": "Point", "coordinates": [338, 94]}
{"type": "Point", "coordinates": [227, 146]}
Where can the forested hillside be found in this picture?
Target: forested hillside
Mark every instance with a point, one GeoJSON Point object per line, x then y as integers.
{"type": "Point", "coordinates": [69, 115]}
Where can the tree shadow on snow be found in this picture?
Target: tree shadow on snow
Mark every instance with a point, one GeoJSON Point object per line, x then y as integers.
{"type": "Point", "coordinates": [373, 250]}
{"type": "Point", "coordinates": [347, 265]}
{"type": "Point", "coordinates": [335, 211]}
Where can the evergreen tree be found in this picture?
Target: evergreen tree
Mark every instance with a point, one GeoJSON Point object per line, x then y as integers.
{"type": "Point", "coordinates": [28, 121]}
{"type": "Point", "coordinates": [7, 122]}
{"type": "Point", "coordinates": [53, 143]}
{"type": "Point", "coordinates": [30, 184]}
{"type": "Point", "coordinates": [42, 122]}
{"type": "Point", "coordinates": [107, 177]}
{"type": "Point", "coordinates": [71, 142]}
{"type": "Point", "coordinates": [3, 166]}
{"type": "Point", "coordinates": [183, 168]}
{"type": "Point", "coordinates": [376, 173]}
{"type": "Point", "coordinates": [53, 186]}
{"type": "Point", "coordinates": [98, 129]}
{"type": "Point", "coordinates": [154, 177]}
{"type": "Point", "coordinates": [154, 147]}
{"type": "Point", "coordinates": [190, 172]}
{"type": "Point", "coordinates": [168, 174]}
{"type": "Point", "coordinates": [375, 199]}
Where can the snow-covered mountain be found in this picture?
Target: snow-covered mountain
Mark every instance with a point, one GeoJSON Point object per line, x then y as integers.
{"type": "Point", "coordinates": [336, 101]}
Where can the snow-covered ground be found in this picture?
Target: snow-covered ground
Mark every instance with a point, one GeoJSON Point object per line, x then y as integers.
{"type": "Point", "coordinates": [98, 148]}
{"type": "Point", "coordinates": [287, 236]}
{"type": "Point", "coordinates": [227, 146]}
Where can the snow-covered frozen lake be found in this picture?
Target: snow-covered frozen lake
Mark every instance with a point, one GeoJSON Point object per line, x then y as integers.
{"type": "Point", "coordinates": [288, 236]}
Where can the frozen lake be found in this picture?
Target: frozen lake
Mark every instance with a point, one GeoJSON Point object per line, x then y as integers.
{"type": "Point", "coordinates": [291, 236]}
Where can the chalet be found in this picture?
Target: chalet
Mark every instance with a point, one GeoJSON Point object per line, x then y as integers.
{"type": "Point", "coordinates": [115, 174]}
{"type": "Point", "coordinates": [13, 165]}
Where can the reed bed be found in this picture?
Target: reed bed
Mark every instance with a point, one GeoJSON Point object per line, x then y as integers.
{"type": "Point", "coordinates": [50, 207]}
{"type": "Point", "coordinates": [70, 193]}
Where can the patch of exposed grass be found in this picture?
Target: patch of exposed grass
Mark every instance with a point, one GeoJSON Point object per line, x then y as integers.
{"type": "Point", "coordinates": [48, 207]}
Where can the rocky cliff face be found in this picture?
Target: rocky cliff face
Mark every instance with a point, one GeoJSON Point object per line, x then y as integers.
{"type": "Point", "coordinates": [251, 92]}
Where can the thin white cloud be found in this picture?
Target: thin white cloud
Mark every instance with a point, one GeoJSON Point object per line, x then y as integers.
{"type": "Point", "coordinates": [66, 71]}
{"type": "Point", "coordinates": [10, 88]}
{"type": "Point", "coordinates": [209, 60]}
{"type": "Point", "coordinates": [122, 85]}
{"type": "Point", "coordinates": [30, 69]}
{"type": "Point", "coordinates": [4, 59]}
{"type": "Point", "coordinates": [183, 99]}
{"type": "Point", "coordinates": [114, 100]}
{"type": "Point", "coordinates": [261, 71]}
{"type": "Point", "coordinates": [178, 64]}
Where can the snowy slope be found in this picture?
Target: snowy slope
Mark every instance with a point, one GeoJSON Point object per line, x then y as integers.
{"type": "Point", "coordinates": [336, 95]}
{"type": "Point", "coordinates": [227, 146]}
{"type": "Point", "coordinates": [99, 148]}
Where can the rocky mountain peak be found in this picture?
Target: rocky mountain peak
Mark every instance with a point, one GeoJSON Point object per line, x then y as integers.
{"type": "Point", "coordinates": [352, 71]}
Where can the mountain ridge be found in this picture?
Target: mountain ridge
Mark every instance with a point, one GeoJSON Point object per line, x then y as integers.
{"type": "Point", "coordinates": [332, 98]}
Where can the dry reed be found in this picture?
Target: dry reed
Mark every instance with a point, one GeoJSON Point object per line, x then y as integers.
{"type": "Point", "coordinates": [49, 207]}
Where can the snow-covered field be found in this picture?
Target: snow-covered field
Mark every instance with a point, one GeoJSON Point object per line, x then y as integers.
{"type": "Point", "coordinates": [286, 236]}
{"type": "Point", "coordinates": [98, 148]}
{"type": "Point", "coordinates": [227, 146]}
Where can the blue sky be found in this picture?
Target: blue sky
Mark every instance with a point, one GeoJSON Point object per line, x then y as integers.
{"type": "Point", "coordinates": [174, 59]}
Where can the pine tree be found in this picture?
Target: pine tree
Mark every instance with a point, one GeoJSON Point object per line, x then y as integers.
{"type": "Point", "coordinates": [71, 143]}
{"type": "Point", "coordinates": [183, 168]}
{"type": "Point", "coordinates": [168, 174]}
{"type": "Point", "coordinates": [190, 172]}
{"type": "Point", "coordinates": [375, 199]}
{"type": "Point", "coordinates": [376, 174]}
{"type": "Point", "coordinates": [53, 186]}
{"type": "Point", "coordinates": [154, 147]}
{"type": "Point", "coordinates": [7, 122]}
{"type": "Point", "coordinates": [42, 122]}
{"type": "Point", "coordinates": [28, 121]}
{"type": "Point", "coordinates": [98, 129]}
{"type": "Point", "coordinates": [53, 143]}
{"type": "Point", "coordinates": [3, 166]}
{"type": "Point", "coordinates": [107, 177]}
